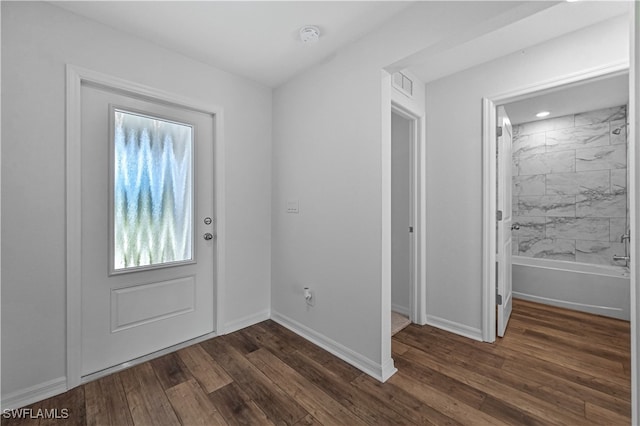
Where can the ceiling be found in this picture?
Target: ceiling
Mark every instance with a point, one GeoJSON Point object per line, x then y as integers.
{"type": "Point", "coordinates": [259, 39]}
{"type": "Point", "coordinates": [255, 39]}
{"type": "Point", "coordinates": [590, 96]}
{"type": "Point", "coordinates": [551, 20]}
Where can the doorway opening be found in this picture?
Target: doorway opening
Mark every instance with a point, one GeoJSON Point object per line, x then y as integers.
{"type": "Point", "coordinates": [568, 195]}
{"type": "Point", "coordinates": [407, 293]}
{"type": "Point", "coordinates": [402, 280]}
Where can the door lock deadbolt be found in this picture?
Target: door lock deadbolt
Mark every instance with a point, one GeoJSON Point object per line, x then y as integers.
{"type": "Point", "coordinates": [207, 221]}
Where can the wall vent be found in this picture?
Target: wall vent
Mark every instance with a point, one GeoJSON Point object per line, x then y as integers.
{"type": "Point", "coordinates": [403, 83]}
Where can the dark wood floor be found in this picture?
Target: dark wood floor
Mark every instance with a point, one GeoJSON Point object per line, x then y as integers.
{"type": "Point", "coordinates": [553, 367]}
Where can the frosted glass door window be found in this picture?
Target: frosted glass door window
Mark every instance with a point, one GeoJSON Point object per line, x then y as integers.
{"type": "Point", "coordinates": [152, 221]}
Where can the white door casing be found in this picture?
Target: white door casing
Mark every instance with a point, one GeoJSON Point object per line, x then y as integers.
{"type": "Point", "coordinates": [504, 240]}
{"type": "Point", "coordinates": [168, 283]}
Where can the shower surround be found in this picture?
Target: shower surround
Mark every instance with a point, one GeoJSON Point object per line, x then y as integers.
{"type": "Point", "coordinates": [570, 187]}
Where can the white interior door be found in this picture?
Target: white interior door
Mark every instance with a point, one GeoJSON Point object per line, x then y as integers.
{"type": "Point", "coordinates": [148, 249]}
{"type": "Point", "coordinates": [504, 243]}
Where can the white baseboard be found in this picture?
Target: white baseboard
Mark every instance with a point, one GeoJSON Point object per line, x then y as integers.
{"type": "Point", "coordinates": [400, 309]}
{"type": "Point", "coordinates": [454, 327]}
{"type": "Point", "coordinates": [245, 322]}
{"type": "Point", "coordinates": [34, 393]}
{"type": "Point", "coordinates": [379, 372]}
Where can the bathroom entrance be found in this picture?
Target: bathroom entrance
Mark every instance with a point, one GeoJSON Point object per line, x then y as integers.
{"type": "Point", "coordinates": [401, 220]}
{"type": "Point", "coordinates": [568, 193]}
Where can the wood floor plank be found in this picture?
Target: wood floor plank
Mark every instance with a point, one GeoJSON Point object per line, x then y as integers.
{"type": "Point", "coordinates": [403, 402]}
{"type": "Point", "coordinates": [578, 391]}
{"type": "Point", "coordinates": [398, 348]}
{"type": "Point", "coordinates": [445, 384]}
{"type": "Point", "coordinates": [554, 366]}
{"type": "Point", "coordinates": [74, 401]}
{"type": "Point", "coordinates": [575, 340]}
{"type": "Point", "coordinates": [262, 337]}
{"type": "Point", "coordinates": [463, 348]}
{"type": "Point", "coordinates": [448, 405]}
{"type": "Point", "coordinates": [106, 402]}
{"type": "Point", "coordinates": [170, 370]}
{"type": "Point", "coordinates": [527, 383]}
{"type": "Point", "coordinates": [206, 371]}
{"type": "Point", "coordinates": [276, 404]}
{"type": "Point", "coordinates": [237, 408]}
{"type": "Point", "coordinates": [532, 405]}
{"type": "Point", "coordinates": [615, 389]}
{"type": "Point", "coordinates": [589, 365]}
{"type": "Point", "coordinates": [320, 405]}
{"type": "Point", "coordinates": [508, 413]}
{"type": "Point", "coordinates": [580, 352]}
{"type": "Point", "coordinates": [147, 401]}
{"type": "Point", "coordinates": [314, 352]}
{"type": "Point", "coordinates": [602, 416]}
{"type": "Point", "coordinates": [360, 404]}
{"type": "Point", "coordinates": [308, 420]}
{"type": "Point", "coordinates": [573, 320]}
{"type": "Point", "coordinates": [192, 405]}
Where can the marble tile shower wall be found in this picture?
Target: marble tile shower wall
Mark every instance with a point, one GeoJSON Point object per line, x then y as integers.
{"type": "Point", "coordinates": [570, 187]}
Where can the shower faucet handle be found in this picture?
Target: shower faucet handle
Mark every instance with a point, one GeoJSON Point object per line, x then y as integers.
{"type": "Point", "coordinates": [515, 227]}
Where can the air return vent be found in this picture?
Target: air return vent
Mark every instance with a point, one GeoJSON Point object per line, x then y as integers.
{"type": "Point", "coordinates": [403, 83]}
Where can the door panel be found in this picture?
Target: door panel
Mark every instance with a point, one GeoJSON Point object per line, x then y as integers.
{"type": "Point", "coordinates": [163, 298]}
{"type": "Point", "coordinates": [504, 226]}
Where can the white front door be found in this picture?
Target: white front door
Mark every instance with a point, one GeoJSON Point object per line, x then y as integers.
{"type": "Point", "coordinates": [504, 243]}
{"type": "Point", "coordinates": [148, 230]}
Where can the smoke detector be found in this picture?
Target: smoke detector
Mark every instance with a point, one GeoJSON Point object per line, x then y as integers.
{"type": "Point", "coordinates": [309, 34]}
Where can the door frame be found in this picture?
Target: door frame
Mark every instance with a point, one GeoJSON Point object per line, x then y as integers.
{"type": "Point", "coordinates": [489, 176]}
{"type": "Point", "coordinates": [417, 298]}
{"type": "Point", "coordinates": [75, 78]}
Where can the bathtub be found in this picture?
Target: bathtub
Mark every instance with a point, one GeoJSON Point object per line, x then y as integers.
{"type": "Point", "coordinates": [598, 289]}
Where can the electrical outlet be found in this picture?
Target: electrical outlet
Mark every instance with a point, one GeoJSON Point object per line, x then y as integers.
{"type": "Point", "coordinates": [308, 296]}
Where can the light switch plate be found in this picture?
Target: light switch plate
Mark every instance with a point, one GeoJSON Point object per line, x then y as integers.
{"type": "Point", "coordinates": [293, 206]}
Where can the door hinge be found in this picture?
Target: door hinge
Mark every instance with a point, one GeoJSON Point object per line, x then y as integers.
{"type": "Point", "coordinates": [499, 131]}
{"type": "Point", "coordinates": [499, 215]}
{"type": "Point", "coordinates": [411, 229]}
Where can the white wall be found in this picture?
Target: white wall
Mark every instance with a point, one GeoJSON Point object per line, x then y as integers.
{"type": "Point", "coordinates": [454, 156]}
{"type": "Point", "coordinates": [327, 153]}
{"type": "Point", "coordinates": [38, 39]}
{"type": "Point", "coordinates": [400, 213]}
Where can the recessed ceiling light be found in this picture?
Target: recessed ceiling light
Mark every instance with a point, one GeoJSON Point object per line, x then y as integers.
{"type": "Point", "coordinates": [309, 34]}
{"type": "Point", "coordinates": [542, 114]}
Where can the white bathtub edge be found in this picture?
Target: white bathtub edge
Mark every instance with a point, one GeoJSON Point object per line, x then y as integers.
{"type": "Point", "coordinates": [563, 265]}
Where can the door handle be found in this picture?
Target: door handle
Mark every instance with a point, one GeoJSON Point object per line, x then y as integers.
{"type": "Point", "coordinates": [208, 236]}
